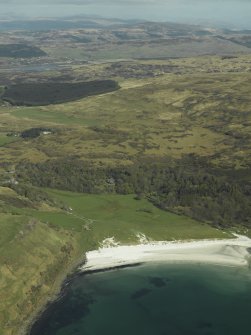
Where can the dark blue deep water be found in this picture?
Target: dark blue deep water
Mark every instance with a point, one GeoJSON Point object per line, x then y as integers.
{"type": "Point", "coordinates": [154, 300]}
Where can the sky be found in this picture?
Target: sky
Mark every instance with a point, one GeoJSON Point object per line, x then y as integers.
{"type": "Point", "coordinates": [232, 13]}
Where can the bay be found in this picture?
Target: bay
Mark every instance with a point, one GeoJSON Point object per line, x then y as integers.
{"type": "Point", "coordinates": [160, 299]}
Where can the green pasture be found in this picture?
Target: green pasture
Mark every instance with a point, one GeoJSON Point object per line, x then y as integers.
{"type": "Point", "coordinates": [123, 217]}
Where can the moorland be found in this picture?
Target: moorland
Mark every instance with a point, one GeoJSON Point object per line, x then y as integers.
{"type": "Point", "coordinates": [163, 152]}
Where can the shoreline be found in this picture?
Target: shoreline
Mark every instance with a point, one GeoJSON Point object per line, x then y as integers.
{"type": "Point", "coordinates": [228, 252]}
{"type": "Point", "coordinates": [60, 288]}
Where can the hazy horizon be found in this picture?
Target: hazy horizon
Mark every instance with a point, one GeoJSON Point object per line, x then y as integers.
{"type": "Point", "coordinates": [232, 13]}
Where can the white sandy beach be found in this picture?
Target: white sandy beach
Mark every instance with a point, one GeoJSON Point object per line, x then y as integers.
{"type": "Point", "coordinates": [229, 252]}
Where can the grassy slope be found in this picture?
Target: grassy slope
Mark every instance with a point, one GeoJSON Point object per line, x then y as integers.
{"type": "Point", "coordinates": [31, 261]}
{"type": "Point", "coordinates": [34, 257]}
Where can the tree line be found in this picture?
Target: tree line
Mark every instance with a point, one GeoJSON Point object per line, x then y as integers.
{"type": "Point", "coordinates": [183, 186]}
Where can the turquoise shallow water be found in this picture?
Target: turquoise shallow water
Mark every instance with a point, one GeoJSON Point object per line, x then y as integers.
{"type": "Point", "coordinates": [154, 300]}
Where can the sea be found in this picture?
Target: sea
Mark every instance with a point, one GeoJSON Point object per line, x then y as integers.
{"type": "Point", "coordinates": [159, 299]}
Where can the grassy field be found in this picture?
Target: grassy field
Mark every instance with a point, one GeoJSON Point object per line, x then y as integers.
{"type": "Point", "coordinates": [123, 217]}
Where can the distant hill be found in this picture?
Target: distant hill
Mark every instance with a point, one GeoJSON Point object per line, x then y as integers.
{"type": "Point", "coordinates": [98, 39]}
{"type": "Point", "coordinates": [61, 24]}
{"type": "Point", "coordinates": [39, 25]}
